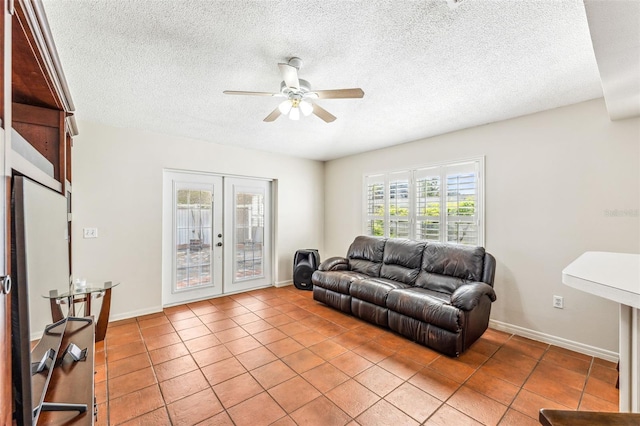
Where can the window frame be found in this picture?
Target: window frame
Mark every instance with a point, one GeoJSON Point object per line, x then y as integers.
{"type": "Point", "coordinates": [414, 173]}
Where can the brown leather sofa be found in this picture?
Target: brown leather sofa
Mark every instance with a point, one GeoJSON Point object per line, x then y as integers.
{"type": "Point", "coordinates": [437, 294]}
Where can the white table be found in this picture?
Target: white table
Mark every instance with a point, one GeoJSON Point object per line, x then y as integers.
{"type": "Point", "coordinates": [615, 276]}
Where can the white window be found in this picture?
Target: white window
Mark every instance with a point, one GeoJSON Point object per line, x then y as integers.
{"type": "Point", "coordinates": [375, 202]}
{"type": "Point", "coordinates": [438, 203]}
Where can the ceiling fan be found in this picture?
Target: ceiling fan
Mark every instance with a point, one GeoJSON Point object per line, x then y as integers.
{"type": "Point", "coordinates": [299, 98]}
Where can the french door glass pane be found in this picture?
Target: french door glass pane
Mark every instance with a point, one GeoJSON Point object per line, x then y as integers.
{"type": "Point", "coordinates": [193, 238]}
{"type": "Point", "coordinates": [249, 235]}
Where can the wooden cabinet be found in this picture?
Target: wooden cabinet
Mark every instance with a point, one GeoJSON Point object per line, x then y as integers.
{"type": "Point", "coordinates": [41, 106]}
{"type": "Point", "coordinates": [36, 110]}
{"type": "Point", "coordinates": [5, 191]}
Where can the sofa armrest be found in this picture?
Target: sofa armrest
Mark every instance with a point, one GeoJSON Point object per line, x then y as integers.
{"type": "Point", "coordinates": [466, 296]}
{"type": "Point", "coordinates": [334, 264]}
{"type": "Point", "coordinates": [489, 270]}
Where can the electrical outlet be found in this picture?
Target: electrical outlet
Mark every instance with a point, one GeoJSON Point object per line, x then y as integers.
{"type": "Point", "coordinates": [558, 302]}
{"type": "Point", "coordinates": [90, 232]}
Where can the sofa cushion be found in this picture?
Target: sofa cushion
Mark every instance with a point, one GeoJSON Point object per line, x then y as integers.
{"type": "Point", "coordinates": [365, 255]}
{"type": "Point", "coordinates": [427, 306]}
{"type": "Point", "coordinates": [370, 312]}
{"type": "Point", "coordinates": [401, 260]}
{"type": "Point", "coordinates": [445, 341]}
{"type": "Point", "coordinates": [445, 267]}
{"type": "Point", "coordinates": [374, 290]}
{"type": "Point", "coordinates": [437, 282]}
{"type": "Point", "coordinates": [332, 298]}
{"type": "Point", "coordinates": [335, 263]}
{"type": "Point", "coordinates": [338, 281]}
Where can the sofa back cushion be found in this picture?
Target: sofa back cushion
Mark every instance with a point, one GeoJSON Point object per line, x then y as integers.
{"type": "Point", "coordinates": [401, 260]}
{"type": "Point", "coordinates": [365, 255]}
{"type": "Point", "coordinates": [445, 267]}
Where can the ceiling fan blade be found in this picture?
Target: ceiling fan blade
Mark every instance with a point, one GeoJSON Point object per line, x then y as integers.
{"type": "Point", "coordinates": [339, 93]}
{"type": "Point", "coordinates": [323, 113]}
{"type": "Point", "coordinates": [236, 92]}
{"type": "Point", "coordinates": [290, 75]}
{"type": "Point", "coordinates": [272, 117]}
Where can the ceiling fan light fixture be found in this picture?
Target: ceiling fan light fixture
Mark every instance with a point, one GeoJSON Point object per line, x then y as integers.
{"type": "Point", "coordinates": [294, 114]}
{"type": "Point", "coordinates": [306, 108]}
{"type": "Point", "coordinates": [285, 107]}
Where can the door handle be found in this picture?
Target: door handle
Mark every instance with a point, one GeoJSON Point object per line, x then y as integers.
{"type": "Point", "coordinates": [219, 244]}
{"type": "Point", "coordinates": [5, 284]}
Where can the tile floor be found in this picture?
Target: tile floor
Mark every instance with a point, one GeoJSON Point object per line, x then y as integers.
{"type": "Point", "coordinates": [275, 356]}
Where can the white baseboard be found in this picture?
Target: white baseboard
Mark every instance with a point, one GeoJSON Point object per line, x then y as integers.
{"type": "Point", "coordinates": [35, 335]}
{"type": "Point", "coordinates": [156, 309]}
{"type": "Point", "coordinates": [133, 314]}
{"type": "Point", "coordinates": [555, 340]}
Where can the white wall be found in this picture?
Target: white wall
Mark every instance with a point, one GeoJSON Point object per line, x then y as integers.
{"type": "Point", "coordinates": [552, 179]}
{"type": "Point", "coordinates": [117, 187]}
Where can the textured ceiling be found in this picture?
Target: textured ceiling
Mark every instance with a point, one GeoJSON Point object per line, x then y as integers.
{"type": "Point", "coordinates": [426, 68]}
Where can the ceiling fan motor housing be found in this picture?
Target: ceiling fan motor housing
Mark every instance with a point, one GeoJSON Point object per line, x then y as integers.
{"type": "Point", "coordinates": [305, 87]}
{"type": "Point", "coordinates": [295, 62]}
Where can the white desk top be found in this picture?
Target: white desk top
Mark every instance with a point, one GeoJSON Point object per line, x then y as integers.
{"type": "Point", "coordinates": [614, 276]}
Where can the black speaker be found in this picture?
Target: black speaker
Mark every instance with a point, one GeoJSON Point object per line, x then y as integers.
{"type": "Point", "coordinates": [304, 263]}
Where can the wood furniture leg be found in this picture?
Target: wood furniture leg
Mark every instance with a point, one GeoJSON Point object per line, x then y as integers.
{"type": "Point", "coordinates": [56, 310]}
{"type": "Point", "coordinates": [71, 301]}
{"type": "Point", "coordinates": [87, 305]}
{"type": "Point", "coordinates": [103, 319]}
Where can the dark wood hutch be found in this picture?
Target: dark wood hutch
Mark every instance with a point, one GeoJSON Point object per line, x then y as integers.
{"type": "Point", "coordinates": [35, 102]}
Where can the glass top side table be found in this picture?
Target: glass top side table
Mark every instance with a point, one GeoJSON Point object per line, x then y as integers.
{"type": "Point", "coordinates": [80, 294]}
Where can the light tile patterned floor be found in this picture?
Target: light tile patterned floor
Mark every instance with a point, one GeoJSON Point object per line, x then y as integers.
{"type": "Point", "coordinates": [275, 356]}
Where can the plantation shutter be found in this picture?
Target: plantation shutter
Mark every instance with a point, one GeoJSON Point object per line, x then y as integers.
{"type": "Point", "coordinates": [399, 205]}
{"type": "Point", "coordinates": [428, 204]}
{"type": "Point", "coordinates": [438, 203]}
{"type": "Point", "coordinates": [375, 201]}
{"type": "Point", "coordinates": [462, 201]}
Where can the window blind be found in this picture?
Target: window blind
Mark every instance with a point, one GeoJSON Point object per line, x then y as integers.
{"type": "Point", "coordinates": [436, 203]}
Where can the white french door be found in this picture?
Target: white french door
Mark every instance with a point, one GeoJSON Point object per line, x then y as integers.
{"type": "Point", "coordinates": [248, 229]}
{"type": "Point", "coordinates": [216, 235]}
{"type": "Point", "coordinates": [192, 221]}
